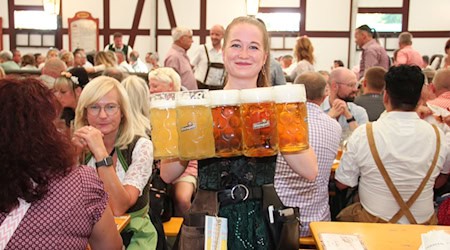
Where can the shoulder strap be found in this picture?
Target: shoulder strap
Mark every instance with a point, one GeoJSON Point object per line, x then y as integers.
{"type": "Point", "coordinates": [416, 194]}
{"type": "Point", "coordinates": [403, 208]}
{"type": "Point", "coordinates": [12, 221]}
{"type": "Point", "coordinates": [125, 155]}
{"type": "Point", "coordinates": [209, 62]}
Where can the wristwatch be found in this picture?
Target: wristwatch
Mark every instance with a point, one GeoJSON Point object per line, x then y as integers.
{"type": "Point", "coordinates": [107, 162]}
{"type": "Point", "coordinates": [351, 119]}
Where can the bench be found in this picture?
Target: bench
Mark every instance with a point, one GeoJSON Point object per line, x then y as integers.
{"type": "Point", "coordinates": [307, 241]}
{"type": "Point", "coordinates": [172, 227]}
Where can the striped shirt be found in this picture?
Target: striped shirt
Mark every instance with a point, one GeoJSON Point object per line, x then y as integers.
{"type": "Point", "coordinates": [311, 196]}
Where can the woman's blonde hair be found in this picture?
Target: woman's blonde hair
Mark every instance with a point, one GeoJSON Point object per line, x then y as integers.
{"type": "Point", "coordinates": [264, 74]}
{"type": "Point", "coordinates": [94, 91]}
{"type": "Point", "coordinates": [166, 75]}
{"type": "Point", "coordinates": [139, 96]}
{"type": "Point", "coordinates": [65, 80]}
{"type": "Point", "coordinates": [304, 50]}
{"type": "Point", "coordinates": [106, 58]}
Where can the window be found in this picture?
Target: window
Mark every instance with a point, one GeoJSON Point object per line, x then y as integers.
{"type": "Point", "coordinates": [380, 22]}
{"type": "Point", "coordinates": [277, 21]}
{"type": "Point", "coordinates": [31, 19]}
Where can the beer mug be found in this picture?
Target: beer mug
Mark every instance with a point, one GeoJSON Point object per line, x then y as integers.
{"type": "Point", "coordinates": [194, 125]}
{"type": "Point", "coordinates": [227, 122]}
{"type": "Point", "coordinates": [292, 117]}
{"type": "Point", "coordinates": [163, 120]}
{"type": "Point", "coordinates": [259, 123]}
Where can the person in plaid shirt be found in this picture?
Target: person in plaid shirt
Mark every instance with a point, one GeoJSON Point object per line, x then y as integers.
{"type": "Point", "coordinates": [324, 137]}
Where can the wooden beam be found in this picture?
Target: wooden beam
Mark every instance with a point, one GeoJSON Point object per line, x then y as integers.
{"type": "Point", "coordinates": [381, 10]}
{"type": "Point", "coordinates": [203, 28]}
{"type": "Point", "coordinates": [405, 18]}
{"type": "Point", "coordinates": [302, 16]}
{"type": "Point", "coordinates": [170, 14]}
{"type": "Point", "coordinates": [106, 23]}
{"type": "Point", "coordinates": [136, 20]}
{"type": "Point", "coordinates": [11, 30]}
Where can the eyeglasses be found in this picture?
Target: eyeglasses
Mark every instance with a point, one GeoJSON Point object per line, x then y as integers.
{"type": "Point", "coordinates": [350, 85]}
{"type": "Point", "coordinates": [110, 109]}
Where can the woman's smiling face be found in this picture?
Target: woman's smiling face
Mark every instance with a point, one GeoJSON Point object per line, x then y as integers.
{"type": "Point", "coordinates": [244, 54]}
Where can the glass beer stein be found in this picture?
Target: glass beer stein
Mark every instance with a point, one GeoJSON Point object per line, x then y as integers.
{"type": "Point", "coordinates": [292, 117]}
{"type": "Point", "coordinates": [259, 123]}
{"type": "Point", "coordinates": [227, 122]}
{"type": "Point", "coordinates": [194, 125]}
{"type": "Point", "coordinates": [163, 120]}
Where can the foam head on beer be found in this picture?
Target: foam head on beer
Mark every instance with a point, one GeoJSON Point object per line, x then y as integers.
{"type": "Point", "coordinates": [163, 100]}
{"type": "Point", "coordinates": [193, 98]}
{"type": "Point", "coordinates": [257, 95]}
{"type": "Point", "coordinates": [290, 93]}
{"type": "Point", "coordinates": [225, 97]}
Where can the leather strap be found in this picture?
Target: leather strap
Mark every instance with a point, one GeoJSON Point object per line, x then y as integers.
{"type": "Point", "coordinates": [11, 222]}
{"type": "Point", "coordinates": [404, 207]}
{"type": "Point", "coordinates": [207, 69]}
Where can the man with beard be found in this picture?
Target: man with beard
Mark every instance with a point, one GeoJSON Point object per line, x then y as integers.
{"type": "Point", "coordinates": [339, 104]}
{"type": "Point", "coordinates": [208, 63]}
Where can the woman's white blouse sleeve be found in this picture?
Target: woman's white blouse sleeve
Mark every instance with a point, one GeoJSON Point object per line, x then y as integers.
{"type": "Point", "coordinates": [140, 170]}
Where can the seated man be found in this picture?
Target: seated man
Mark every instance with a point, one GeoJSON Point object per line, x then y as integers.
{"type": "Point", "coordinates": [372, 97]}
{"type": "Point", "coordinates": [339, 104]}
{"type": "Point", "coordinates": [324, 136]}
{"type": "Point", "coordinates": [408, 148]}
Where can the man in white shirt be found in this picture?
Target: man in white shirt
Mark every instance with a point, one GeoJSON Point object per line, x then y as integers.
{"type": "Point", "coordinates": [137, 64]}
{"type": "Point", "coordinates": [406, 146]}
{"type": "Point", "coordinates": [118, 45]}
{"type": "Point", "coordinates": [208, 63]}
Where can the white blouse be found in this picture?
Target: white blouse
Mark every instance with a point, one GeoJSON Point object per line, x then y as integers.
{"type": "Point", "coordinates": [140, 170]}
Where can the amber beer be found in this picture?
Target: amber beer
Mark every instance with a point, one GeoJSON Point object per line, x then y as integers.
{"type": "Point", "coordinates": [292, 117]}
{"type": "Point", "coordinates": [259, 122]}
{"type": "Point", "coordinates": [163, 120]}
{"type": "Point", "coordinates": [227, 122]}
{"type": "Point", "coordinates": [194, 125]}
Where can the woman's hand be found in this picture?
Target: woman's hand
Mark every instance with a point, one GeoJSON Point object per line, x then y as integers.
{"type": "Point", "coordinates": [91, 138]}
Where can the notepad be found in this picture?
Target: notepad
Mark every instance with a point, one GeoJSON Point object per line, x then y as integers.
{"type": "Point", "coordinates": [332, 241]}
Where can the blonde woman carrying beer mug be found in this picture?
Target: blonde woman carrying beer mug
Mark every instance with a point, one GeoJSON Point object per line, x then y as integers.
{"type": "Point", "coordinates": [237, 182]}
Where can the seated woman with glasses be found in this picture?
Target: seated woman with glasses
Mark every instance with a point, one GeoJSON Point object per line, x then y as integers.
{"type": "Point", "coordinates": [121, 152]}
{"type": "Point", "coordinates": [63, 206]}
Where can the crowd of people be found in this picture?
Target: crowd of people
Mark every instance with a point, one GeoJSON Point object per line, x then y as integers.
{"type": "Point", "coordinates": [394, 123]}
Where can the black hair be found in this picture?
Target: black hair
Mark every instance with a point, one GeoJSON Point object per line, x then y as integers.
{"type": "Point", "coordinates": [404, 86]}
{"type": "Point", "coordinates": [369, 30]}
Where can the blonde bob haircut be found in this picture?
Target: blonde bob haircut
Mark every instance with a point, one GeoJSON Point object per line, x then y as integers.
{"type": "Point", "coordinates": [139, 102]}
{"type": "Point", "coordinates": [166, 75]}
{"type": "Point", "coordinates": [94, 91]}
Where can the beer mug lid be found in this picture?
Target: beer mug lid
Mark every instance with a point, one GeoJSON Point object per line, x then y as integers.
{"type": "Point", "coordinates": [256, 95]}
{"type": "Point", "coordinates": [193, 97]}
{"type": "Point", "coordinates": [224, 97]}
{"type": "Point", "coordinates": [290, 93]}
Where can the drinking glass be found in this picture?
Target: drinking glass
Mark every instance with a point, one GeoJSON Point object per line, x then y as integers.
{"type": "Point", "coordinates": [194, 125]}
{"type": "Point", "coordinates": [225, 108]}
{"type": "Point", "coordinates": [292, 117]}
{"type": "Point", "coordinates": [259, 123]}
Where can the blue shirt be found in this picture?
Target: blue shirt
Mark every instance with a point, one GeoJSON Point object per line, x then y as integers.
{"type": "Point", "coordinates": [358, 112]}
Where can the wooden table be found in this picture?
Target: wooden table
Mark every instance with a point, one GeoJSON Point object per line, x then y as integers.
{"type": "Point", "coordinates": [122, 221]}
{"type": "Point", "coordinates": [376, 235]}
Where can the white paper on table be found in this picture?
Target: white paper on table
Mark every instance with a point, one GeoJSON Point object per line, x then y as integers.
{"type": "Point", "coordinates": [341, 241]}
{"type": "Point", "coordinates": [435, 240]}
